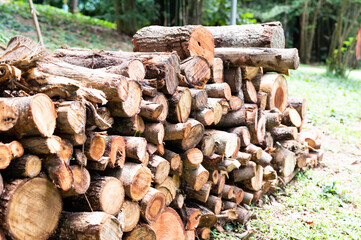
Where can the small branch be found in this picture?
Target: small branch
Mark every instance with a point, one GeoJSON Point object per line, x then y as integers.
{"type": "Point", "coordinates": [36, 23]}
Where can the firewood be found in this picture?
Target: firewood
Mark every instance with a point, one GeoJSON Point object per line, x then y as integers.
{"type": "Point", "coordinates": [299, 104]}
{"type": "Point", "coordinates": [235, 103]}
{"type": "Point", "coordinates": [129, 214]}
{"type": "Point", "coordinates": [199, 98]}
{"type": "Point", "coordinates": [81, 181]}
{"type": "Point", "coordinates": [190, 234]}
{"type": "Point", "coordinates": [284, 160]}
{"type": "Point", "coordinates": [212, 160]}
{"type": "Point", "coordinates": [222, 101]}
{"type": "Point", "coordinates": [275, 85]}
{"type": "Point", "coordinates": [115, 87]}
{"type": "Point", "coordinates": [195, 176]}
{"type": "Point", "coordinates": [23, 167]}
{"type": "Point", "coordinates": [271, 59]}
{"type": "Point", "coordinates": [142, 231]}
{"type": "Point", "coordinates": [192, 157]}
{"type": "Point", "coordinates": [311, 138]}
{"type": "Point", "coordinates": [214, 176]}
{"type": "Point", "coordinates": [99, 165]}
{"type": "Point", "coordinates": [28, 116]}
{"type": "Point", "coordinates": [284, 133]}
{"type": "Point", "coordinates": [2, 235]}
{"type": "Point", "coordinates": [197, 72]}
{"type": "Point", "coordinates": [243, 133]}
{"type": "Point", "coordinates": [290, 117]}
{"type": "Point", "coordinates": [212, 103]}
{"type": "Point", "coordinates": [233, 77]}
{"type": "Point", "coordinates": [254, 150]}
{"type": "Point", "coordinates": [98, 117]}
{"type": "Point", "coordinates": [269, 173]}
{"type": "Point", "coordinates": [177, 202]}
{"type": "Point", "coordinates": [71, 117]}
{"type": "Point", "coordinates": [205, 116]}
{"type": "Point", "coordinates": [218, 188]}
{"type": "Point", "coordinates": [194, 137]}
{"type": "Point", "coordinates": [5, 155]}
{"type": "Point", "coordinates": [190, 217]}
{"type": "Point", "coordinates": [115, 150]}
{"type": "Point", "coordinates": [128, 126]}
{"type": "Point", "coordinates": [162, 100]}
{"type": "Point", "coordinates": [257, 130]}
{"type": "Point", "coordinates": [154, 133]}
{"type": "Point", "coordinates": [58, 171]}
{"type": "Point", "coordinates": [268, 143]}
{"type": "Point", "coordinates": [152, 205]}
{"type": "Point", "coordinates": [244, 173]}
{"type": "Point", "coordinates": [150, 110]}
{"type": "Point", "coordinates": [273, 119]}
{"type": "Point", "coordinates": [248, 73]}
{"type": "Point", "coordinates": [169, 225]}
{"type": "Point", "coordinates": [217, 71]}
{"type": "Point", "coordinates": [204, 233]}
{"type": "Point", "coordinates": [132, 69]}
{"type": "Point", "coordinates": [227, 192]}
{"type": "Point", "coordinates": [136, 179]}
{"type": "Point", "coordinates": [208, 218]}
{"type": "Point", "coordinates": [243, 158]}
{"type": "Point", "coordinates": [238, 195]}
{"type": "Point", "coordinates": [265, 160]}
{"type": "Point", "coordinates": [168, 188]}
{"type": "Point", "coordinates": [243, 215]}
{"type": "Point", "coordinates": [262, 100]}
{"type": "Point", "coordinates": [75, 139]}
{"type": "Point", "coordinates": [219, 90]}
{"type": "Point", "coordinates": [180, 105]}
{"type": "Point", "coordinates": [255, 183]}
{"type": "Point", "coordinates": [76, 226]}
{"type": "Point", "coordinates": [249, 92]}
{"type": "Point", "coordinates": [173, 159]}
{"type": "Point", "coordinates": [41, 200]}
{"type": "Point", "coordinates": [233, 119]}
{"type": "Point", "coordinates": [176, 131]}
{"type": "Point", "coordinates": [207, 145]}
{"type": "Point", "coordinates": [229, 205]}
{"type": "Point", "coordinates": [226, 143]}
{"type": "Point", "coordinates": [159, 168]}
{"type": "Point", "coordinates": [228, 165]}
{"type": "Point", "coordinates": [131, 105]}
{"type": "Point", "coordinates": [200, 195]}
{"type": "Point", "coordinates": [247, 198]}
{"type": "Point", "coordinates": [94, 146]}
{"type": "Point", "coordinates": [136, 148]}
{"type": "Point", "coordinates": [187, 41]}
{"type": "Point", "coordinates": [269, 35]}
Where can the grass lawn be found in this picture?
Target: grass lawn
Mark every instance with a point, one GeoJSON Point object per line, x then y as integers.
{"type": "Point", "coordinates": [324, 203]}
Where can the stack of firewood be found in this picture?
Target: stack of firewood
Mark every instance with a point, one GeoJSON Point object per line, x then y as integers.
{"type": "Point", "coordinates": [166, 142]}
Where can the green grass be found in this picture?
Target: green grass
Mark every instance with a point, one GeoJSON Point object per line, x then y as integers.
{"type": "Point", "coordinates": [59, 28]}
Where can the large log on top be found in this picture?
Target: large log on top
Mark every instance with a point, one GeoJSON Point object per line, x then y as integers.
{"type": "Point", "coordinates": [268, 35]}
{"type": "Point", "coordinates": [169, 226]}
{"type": "Point", "coordinates": [36, 199]}
{"type": "Point", "coordinates": [187, 41]}
{"type": "Point", "coordinates": [28, 116]}
{"type": "Point", "coordinates": [271, 59]}
{"type": "Point", "coordinates": [88, 225]}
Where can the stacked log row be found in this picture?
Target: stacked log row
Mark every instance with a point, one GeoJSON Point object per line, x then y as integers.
{"type": "Point", "coordinates": [163, 143]}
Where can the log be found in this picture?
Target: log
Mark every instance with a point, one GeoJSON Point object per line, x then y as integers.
{"type": "Point", "coordinates": [222, 101]}
{"type": "Point", "coordinates": [273, 119]}
{"type": "Point", "coordinates": [243, 133]}
{"type": "Point", "coordinates": [212, 160]}
{"type": "Point", "coordinates": [180, 105]}
{"type": "Point", "coordinates": [233, 119]}
{"type": "Point", "coordinates": [131, 105]}
{"type": "Point", "coordinates": [169, 226]}
{"type": "Point", "coordinates": [136, 179]}
{"type": "Point", "coordinates": [71, 117]}
{"type": "Point", "coordinates": [136, 148]}
{"type": "Point", "coordinates": [162, 100]}
{"type": "Point", "coordinates": [227, 165]}
{"type": "Point", "coordinates": [217, 71]}
{"type": "Point", "coordinates": [247, 198]}
{"type": "Point", "coordinates": [262, 100]}
{"type": "Point", "coordinates": [199, 98]}
{"type": "Point", "coordinates": [195, 176]}
{"type": "Point", "coordinates": [284, 161]}
{"type": "Point", "coordinates": [257, 130]}
{"type": "Point", "coordinates": [104, 194]}
{"type": "Point", "coordinates": [265, 160]}
{"type": "Point", "coordinates": [99, 165]}
{"type": "Point", "coordinates": [207, 146]}
{"type": "Point", "coordinates": [214, 176]}
{"type": "Point", "coordinates": [76, 139]}
{"type": "Point", "coordinates": [150, 111]}
{"type": "Point", "coordinates": [154, 133]}
{"type": "Point", "coordinates": [228, 192]}
{"type": "Point", "coordinates": [88, 225]}
{"type": "Point", "coordinates": [244, 173]}
{"type": "Point", "coordinates": [284, 133]}
{"type": "Point", "coordinates": [270, 59]}
{"type": "Point", "coordinates": [94, 146]}
{"type": "Point", "coordinates": [173, 158]}
{"type": "Point", "coordinates": [275, 85]}
{"type": "Point", "coordinates": [187, 41]}
{"type": "Point", "coordinates": [268, 35]}
{"type": "Point", "coordinates": [208, 218]}
{"type": "Point", "coordinates": [248, 73]}
{"type": "Point", "coordinates": [41, 201]}
{"type": "Point", "coordinates": [129, 216]}
{"type": "Point", "coordinates": [194, 137]}
{"type": "Point", "coordinates": [128, 126]}
{"type": "Point", "coordinates": [152, 205]}
{"type": "Point", "coordinates": [190, 217]}
{"type": "Point", "coordinates": [81, 182]}
{"type": "Point", "coordinates": [23, 167]}
{"type": "Point", "coordinates": [159, 167]}
{"type": "Point", "coordinates": [98, 117]}
{"type": "Point", "coordinates": [190, 235]}
{"type": "Point", "coordinates": [268, 143]}
{"type": "Point", "coordinates": [249, 92]}
{"type": "Point", "coordinates": [299, 104]}
{"type": "Point", "coordinates": [142, 231]}
{"type": "Point", "coordinates": [5, 156]}
{"type": "Point", "coordinates": [254, 150]}
{"type": "Point", "coordinates": [58, 171]}
{"type": "Point", "coordinates": [243, 158]}
{"type": "Point", "coordinates": [177, 202]}
{"type": "Point", "coordinates": [226, 143]}
{"type": "Point", "coordinates": [290, 117]}
{"type": "Point", "coordinates": [269, 173]}
{"type": "Point", "coordinates": [204, 233]}
{"type": "Point", "coordinates": [235, 103]}
{"type": "Point", "coordinates": [176, 131]}
{"type": "Point", "coordinates": [200, 195]}
{"type": "Point", "coordinates": [243, 215]}
{"type": "Point", "coordinates": [1, 185]}
{"type": "Point", "coordinates": [205, 116]}
{"type": "Point", "coordinates": [192, 157]}
{"type": "Point", "coordinates": [115, 87]}
{"type": "Point", "coordinates": [115, 150]}
{"type": "Point", "coordinates": [233, 77]}
{"type": "Point", "coordinates": [197, 72]}
{"type": "Point", "coordinates": [256, 80]}
{"type": "Point", "coordinates": [255, 183]}
{"type": "Point", "coordinates": [238, 195]}
{"type": "Point", "coordinates": [132, 69]}
{"type": "Point", "coordinates": [212, 103]}
{"type": "Point", "coordinates": [168, 188]}
{"type": "Point", "coordinates": [25, 116]}
{"type": "Point", "coordinates": [16, 149]}
{"type": "Point", "coordinates": [218, 188]}
{"type": "Point", "coordinates": [219, 90]}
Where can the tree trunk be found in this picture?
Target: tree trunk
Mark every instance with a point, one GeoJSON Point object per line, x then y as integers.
{"type": "Point", "coordinates": [268, 35]}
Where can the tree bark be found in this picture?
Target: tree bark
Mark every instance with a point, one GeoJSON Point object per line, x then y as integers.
{"type": "Point", "coordinates": [233, 76]}
{"type": "Point", "coordinates": [199, 98]}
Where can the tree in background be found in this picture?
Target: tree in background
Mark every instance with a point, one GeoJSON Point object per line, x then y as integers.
{"type": "Point", "coordinates": [73, 6]}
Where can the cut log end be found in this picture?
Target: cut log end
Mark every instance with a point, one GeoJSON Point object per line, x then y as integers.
{"type": "Point", "coordinates": [44, 114]}
{"type": "Point", "coordinates": [201, 43]}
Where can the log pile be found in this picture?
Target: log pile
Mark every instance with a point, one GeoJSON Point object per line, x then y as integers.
{"type": "Point", "coordinates": [162, 143]}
